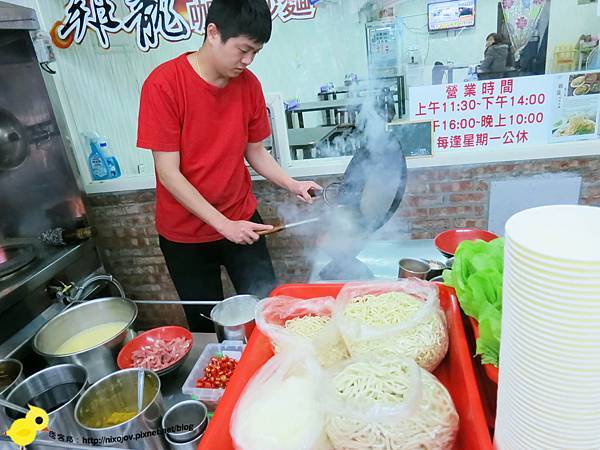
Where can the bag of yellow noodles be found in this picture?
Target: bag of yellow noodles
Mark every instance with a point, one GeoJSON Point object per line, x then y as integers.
{"type": "Point", "coordinates": [280, 409]}
{"type": "Point", "coordinates": [399, 318]}
{"type": "Point", "coordinates": [387, 403]}
{"type": "Point", "coordinates": [302, 324]}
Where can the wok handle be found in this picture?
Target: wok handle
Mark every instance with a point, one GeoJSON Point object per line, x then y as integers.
{"type": "Point", "coordinates": [275, 229]}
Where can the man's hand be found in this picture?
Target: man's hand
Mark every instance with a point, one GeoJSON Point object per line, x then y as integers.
{"type": "Point", "coordinates": [302, 189]}
{"type": "Point", "coordinates": [242, 232]}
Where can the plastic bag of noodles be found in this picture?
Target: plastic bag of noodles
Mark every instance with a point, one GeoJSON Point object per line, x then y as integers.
{"type": "Point", "coordinates": [399, 318]}
{"type": "Point", "coordinates": [295, 323]}
{"type": "Point", "coordinates": [387, 403]}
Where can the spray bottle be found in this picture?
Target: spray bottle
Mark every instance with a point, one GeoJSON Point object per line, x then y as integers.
{"type": "Point", "coordinates": [102, 164]}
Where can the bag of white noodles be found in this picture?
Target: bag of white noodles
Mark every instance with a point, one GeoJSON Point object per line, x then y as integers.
{"type": "Point", "coordinates": [279, 408]}
{"type": "Point", "coordinates": [401, 318]}
{"type": "Point", "coordinates": [295, 323]}
{"type": "Point", "coordinates": [387, 404]}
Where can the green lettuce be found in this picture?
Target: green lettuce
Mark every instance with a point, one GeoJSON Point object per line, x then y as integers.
{"type": "Point", "coordinates": [476, 276]}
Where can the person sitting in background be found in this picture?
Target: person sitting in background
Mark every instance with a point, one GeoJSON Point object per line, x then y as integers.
{"type": "Point", "coordinates": [495, 58]}
{"type": "Point", "coordinates": [437, 73]}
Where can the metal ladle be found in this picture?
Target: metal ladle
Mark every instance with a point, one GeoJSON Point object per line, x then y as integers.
{"type": "Point", "coordinates": [13, 406]}
{"type": "Point", "coordinates": [140, 391]}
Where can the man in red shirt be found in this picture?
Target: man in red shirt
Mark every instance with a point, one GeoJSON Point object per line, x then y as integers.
{"type": "Point", "coordinates": [201, 114]}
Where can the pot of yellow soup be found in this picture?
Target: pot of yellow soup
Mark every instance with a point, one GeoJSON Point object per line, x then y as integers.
{"type": "Point", "coordinates": [108, 411]}
{"type": "Point", "coordinates": [90, 335]}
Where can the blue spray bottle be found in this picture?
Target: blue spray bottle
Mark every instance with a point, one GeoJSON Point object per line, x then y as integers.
{"type": "Point", "coordinates": [102, 164]}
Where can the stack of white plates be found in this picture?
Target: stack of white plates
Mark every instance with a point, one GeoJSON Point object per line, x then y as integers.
{"type": "Point", "coordinates": [549, 382]}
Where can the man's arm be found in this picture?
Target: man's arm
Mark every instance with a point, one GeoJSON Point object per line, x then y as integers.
{"type": "Point", "coordinates": [264, 164]}
{"type": "Point", "coordinates": [169, 174]}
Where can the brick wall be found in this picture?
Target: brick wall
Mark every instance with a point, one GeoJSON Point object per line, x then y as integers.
{"type": "Point", "coordinates": [436, 199]}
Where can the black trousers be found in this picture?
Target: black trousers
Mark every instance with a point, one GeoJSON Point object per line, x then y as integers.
{"type": "Point", "coordinates": [196, 272]}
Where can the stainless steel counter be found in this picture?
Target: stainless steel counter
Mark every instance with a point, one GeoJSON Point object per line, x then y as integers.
{"type": "Point", "coordinates": [171, 384]}
{"type": "Point", "coordinates": [382, 257]}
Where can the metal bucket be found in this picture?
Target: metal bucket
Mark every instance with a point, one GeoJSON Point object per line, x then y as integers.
{"type": "Point", "coordinates": [56, 390]}
{"type": "Point", "coordinates": [117, 393]}
{"type": "Point", "coordinates": [234, 318]}
{"type": "Point", "coordinates": [99, 360]}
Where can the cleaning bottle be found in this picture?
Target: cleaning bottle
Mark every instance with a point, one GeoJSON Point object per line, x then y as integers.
{"type": "Point", "coordinates": [99, 169]}
{"type": "Point", "coordinates": [102, 164]}
{"type": "Point", "coordinates": [114, 170]}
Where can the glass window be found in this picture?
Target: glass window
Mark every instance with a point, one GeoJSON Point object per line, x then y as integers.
{"type": "Point", "coordinates": [327, 58]}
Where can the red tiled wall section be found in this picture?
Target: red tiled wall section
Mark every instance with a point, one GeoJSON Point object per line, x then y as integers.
{"type": "Point", "coordinates": [436, 199]}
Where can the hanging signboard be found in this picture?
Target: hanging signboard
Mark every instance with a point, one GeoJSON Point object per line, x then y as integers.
{"type": "Point", "coordinates": [152, 20]}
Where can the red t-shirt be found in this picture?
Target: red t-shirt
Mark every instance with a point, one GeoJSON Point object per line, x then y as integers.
{"type": "Point", "coordinates": [210, 127]}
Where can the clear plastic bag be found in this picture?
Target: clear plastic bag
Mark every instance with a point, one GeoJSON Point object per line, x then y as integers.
{"type": "Point", "coordinates": [280, 408]}
{"type": "Point", "coordinates": [399, 318]}
{"type": "Point", "coordinates": [302, 324]}
{"type": "Point", "coordinates": [388, 404]}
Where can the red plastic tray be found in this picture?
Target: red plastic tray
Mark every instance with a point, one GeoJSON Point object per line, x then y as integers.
{"type": "Point", "coordinates": [455, 372]}
{"type": "Point", "coordinates": [490, 370]}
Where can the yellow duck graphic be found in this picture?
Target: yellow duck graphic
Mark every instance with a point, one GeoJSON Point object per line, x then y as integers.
{"type": "Point", "coordinates": [23, 431]}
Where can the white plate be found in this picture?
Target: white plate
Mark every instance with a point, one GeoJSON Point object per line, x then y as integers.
{"type": "Point", "coordinates": [513, 263]}
{"type": "Point", "coordinates": [516, 294]}
{"type": "Point", "coordinates": [553, 263]}
{"type": "Point", "coordinates": [561, 232]}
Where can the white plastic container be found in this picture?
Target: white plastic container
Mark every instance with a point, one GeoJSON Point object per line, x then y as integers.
{"type": "Point", "coordinates": [210, 397]}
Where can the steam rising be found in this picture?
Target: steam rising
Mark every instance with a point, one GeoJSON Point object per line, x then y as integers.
{"type": "Point", "coordinates": [348, 222]}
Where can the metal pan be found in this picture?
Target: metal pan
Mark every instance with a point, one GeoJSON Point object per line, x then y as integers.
{"type": "Point", "coordinates": [369, 193]}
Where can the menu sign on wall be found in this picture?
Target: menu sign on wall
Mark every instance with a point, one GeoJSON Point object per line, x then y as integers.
{"type": "Point", "coordinates": [577, 107]}
{"type": "Point", "coordinates": [151, 20]}
{"type": "Point", "coordinates": [485, 114]}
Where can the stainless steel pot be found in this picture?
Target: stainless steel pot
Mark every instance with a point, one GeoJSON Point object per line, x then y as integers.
{"type": "Point", "coordinates": [117, 393]}
{"type": "Point", "coordinates": [56, 390]}
{"type": "Point", "coordinates": [234, 318]}
{"type": "Point", "coordinates": [11, 374]}
{"type": "Point", "coordinates": [99, 360]}
{"type": "Point", "coordinates": [14, 147]}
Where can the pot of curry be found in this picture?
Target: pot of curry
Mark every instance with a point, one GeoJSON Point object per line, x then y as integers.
{"type": "Point", "coordinates": [90, 335]}
{"type": "Point", "coordinates": [108, 411]}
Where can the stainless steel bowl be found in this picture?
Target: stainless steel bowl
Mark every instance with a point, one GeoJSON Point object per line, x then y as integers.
{"type": "Point", "coordinates": [55, 389]}
{"type": "Point", "coordinates": [413, 268]}
{"type": "Point", "coordinates": [99, 360]}
{"type": "Point", "coordinates": [436, 268]}
{"type": "Point", "coordinates": [191, 445]}
{"type": "Point", "coordinates": [11, 374]}
{"type": "Point", "coordinates": [117, 393]}
{"type": "Point", "coordinates": [185, 421]}
{"type": "Point", "coordinates": [234, 318]}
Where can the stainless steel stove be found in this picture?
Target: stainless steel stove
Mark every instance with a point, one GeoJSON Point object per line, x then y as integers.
{"type": "Point", "coordinates": [38, 191]}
